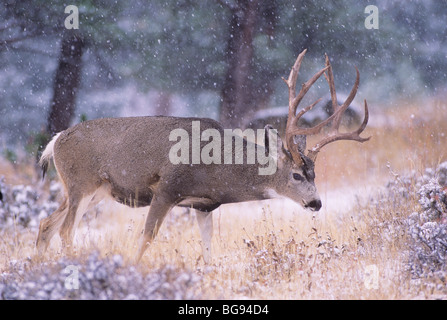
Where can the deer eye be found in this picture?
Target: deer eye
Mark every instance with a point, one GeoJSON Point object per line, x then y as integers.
{"type": "Point", "coordinates": [298, 177]}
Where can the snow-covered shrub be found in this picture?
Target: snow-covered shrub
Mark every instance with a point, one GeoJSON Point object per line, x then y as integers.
{"type": "Point", "coordinates": [24, 206]}
{"type": "Point", "coordinates": [442, 174]}
{"type": "Point", "coordinates": [97, 278]}
{"type": "Point", "coordinates": [408, 185]}
{"type": "Point", "coordinates": [428, 230]}
{"type": "Point", "coordinates": [433, 201]}
{"type": "Point", "coordinates": [426, 227]}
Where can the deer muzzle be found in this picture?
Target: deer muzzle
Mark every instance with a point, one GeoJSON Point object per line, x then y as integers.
{"type": "Point", "coordinates": [313, 205]}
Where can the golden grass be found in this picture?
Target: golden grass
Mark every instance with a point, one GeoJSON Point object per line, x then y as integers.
{"type": "Point", "coordinates": [407, 137]}
{"type": "Point", "coordinates": [275, 249]}
{"type": "Point", "coordinates": [21, 173]}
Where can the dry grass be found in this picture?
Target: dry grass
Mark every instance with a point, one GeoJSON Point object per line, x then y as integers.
{"type": "Point", "coordinates": [408, 136]}
{"type": "Point", "coordinates": [275, 249]}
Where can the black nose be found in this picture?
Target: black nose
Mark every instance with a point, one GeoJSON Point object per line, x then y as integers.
{"type": "Point", "coordinates": [314, 205]}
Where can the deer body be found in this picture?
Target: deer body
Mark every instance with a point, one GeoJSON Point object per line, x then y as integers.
{"type": "Point", "coordinates": [131, 156]}
{"type": "Point", "coordinates": [129, 159]}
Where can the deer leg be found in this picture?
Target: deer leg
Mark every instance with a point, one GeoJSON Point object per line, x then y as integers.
{"type": "Point", "coordinates": [49, 226]}
{"type": "Point", "coordinates": [205, 222]}
{"type": "Point", "coordinates": [77, 206]}
{"type": "Point", "coordinates": [157, 212]}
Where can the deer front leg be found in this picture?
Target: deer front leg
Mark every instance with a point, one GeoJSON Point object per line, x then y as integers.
{"type": "Point", "coordinates": [205, 222]}
{"type": "Point", "coordinates": [160, 206]}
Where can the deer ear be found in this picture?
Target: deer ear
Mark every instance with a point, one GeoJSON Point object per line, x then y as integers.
{"type": "Point", "coordinates": [267, 129]}
{"type": "Point", "coordinates": [280, 150]}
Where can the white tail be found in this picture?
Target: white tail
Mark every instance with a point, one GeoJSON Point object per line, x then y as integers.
{"type": "Point", "coordinates": [47, 155]}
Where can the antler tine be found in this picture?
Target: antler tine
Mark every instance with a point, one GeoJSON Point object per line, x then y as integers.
{"type": "Point", "coordinates": [330, 80]}
{"type": "Point", "coordinates": [291, 83]}
{"type": "Point", "coordinates": [355, 136]}
{"type": "Point", "coordinates": [295, 102]}
{"type": "Point", "coordinates": [336, 109]}
{"type": "Point", "coordinates": [334, 134]}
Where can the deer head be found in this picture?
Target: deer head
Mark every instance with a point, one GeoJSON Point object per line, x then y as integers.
{"type": "Point", "coordinates": [300, 162]}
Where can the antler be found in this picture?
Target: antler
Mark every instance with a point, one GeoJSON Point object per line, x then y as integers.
{"type": "Point", "coordinates": [294, 101]}
{"type": "Point", "coordinates": [291, 128]}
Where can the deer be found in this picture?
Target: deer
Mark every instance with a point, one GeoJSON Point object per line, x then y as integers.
{"type": "Point", "coordinates": [127, 159]}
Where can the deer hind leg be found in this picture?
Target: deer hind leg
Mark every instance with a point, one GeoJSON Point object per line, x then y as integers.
{"type": "Point", "coordinates": [157, 212]}
{"type": "Point", "coordinates": [49, 226]}
{"type": "Point", "coordinates": [77, 207]}
{"type": "Point", "coordinates": [205, 222]}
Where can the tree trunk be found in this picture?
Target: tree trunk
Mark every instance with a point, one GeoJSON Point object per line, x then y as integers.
{"type": "Point", "coordinates": [66, 83]}
{"type": "Point", "coordinates": [237, 92]}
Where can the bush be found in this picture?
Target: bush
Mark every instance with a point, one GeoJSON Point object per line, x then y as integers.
{"type": "Point", "coordinates": [427, 226]}
{"type": "Point", "coordinates": [24, 206]}
{"type": "Point", "coordinates": [92, 278]}
{"type": "Point", "coordinates": [428, 230]}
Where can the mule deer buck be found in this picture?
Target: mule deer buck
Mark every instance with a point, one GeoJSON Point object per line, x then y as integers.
{"type": "Point", "coordinates": [128, 159]}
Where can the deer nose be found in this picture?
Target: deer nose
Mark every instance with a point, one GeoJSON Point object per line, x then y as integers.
{"type": "Point", "coordinates": [314, 205]}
